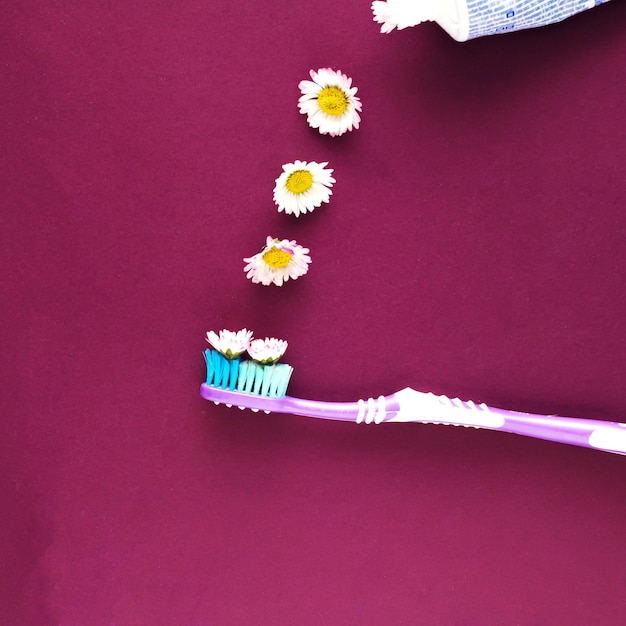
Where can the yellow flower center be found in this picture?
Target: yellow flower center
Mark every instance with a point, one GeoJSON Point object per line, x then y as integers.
{"type": "Point", "coordinates": [333, 101]}
{"type": "Point", "coordinates": [277, 258]}
{"type": "Point", "coordinates": [299, 181]}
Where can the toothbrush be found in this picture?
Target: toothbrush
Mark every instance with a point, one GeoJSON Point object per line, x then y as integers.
{"type": "Point", "coordinates": [407, 405]}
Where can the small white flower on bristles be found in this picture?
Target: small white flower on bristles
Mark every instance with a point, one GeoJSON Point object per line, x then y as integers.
{"type": "Point", "coordinates": [229, 343]}
{"type": "Point", "coordinates": [279, 261]}
{"type": "Point", "coordinates": [400, 14]}
{"type": "Point", "coordinates": [267, 351]}
{"type": "Point", "coordinates": [329, 101]}
{"type": "Point", "coordinates": [303, 187]}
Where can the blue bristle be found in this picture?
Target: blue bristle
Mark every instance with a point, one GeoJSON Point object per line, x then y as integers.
{"type": "Point", "coordinates": [258, 378]}
{"type": "Point", "coordinates": [276, 371]}
{"type": "Point", "coordinates": [286, 377]}
{"type": "Point", "coordinates": [218, 368]}
{"type": "Point", "coordinates": [243, 376]}
{"type": "Point", "coordinates": [234, 373]}
{"type": "Point", "coordinates": [210, 366]}
{"type": "Point", "coordinates": [268, 372]}
{"type": "Point", "coordinates": [216, 363]}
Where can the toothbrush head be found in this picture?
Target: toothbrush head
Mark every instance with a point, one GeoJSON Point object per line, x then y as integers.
{"type": "Point", "coordinates": [247, 376]}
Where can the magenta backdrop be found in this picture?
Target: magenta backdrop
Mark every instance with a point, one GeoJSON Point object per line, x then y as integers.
{"type": "Point", "coordinates": [474, 246]}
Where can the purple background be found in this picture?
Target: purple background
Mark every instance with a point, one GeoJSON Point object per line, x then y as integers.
{"type": "Point", "coordinates": [474, 246]}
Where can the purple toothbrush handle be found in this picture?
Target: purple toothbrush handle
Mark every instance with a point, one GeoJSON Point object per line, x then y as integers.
{"type": "Point", "coordinates": [409, 405]}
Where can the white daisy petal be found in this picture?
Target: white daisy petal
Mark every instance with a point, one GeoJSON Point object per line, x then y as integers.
{"type": "Point", "coordinates": [308, 88]}
{"type": "Point", "coordinates": [329, 101]}
{"type": "Point", "coordinates": [279, 260]}
{"type": "Point", "coordinates": [303, 186]}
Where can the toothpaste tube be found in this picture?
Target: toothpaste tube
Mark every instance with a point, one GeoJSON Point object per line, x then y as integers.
{"type": "Point", "coordinates": [467, 19]}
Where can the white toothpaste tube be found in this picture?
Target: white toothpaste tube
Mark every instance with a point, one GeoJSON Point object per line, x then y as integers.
{"type": "Point", "coordinates": [467, 19]}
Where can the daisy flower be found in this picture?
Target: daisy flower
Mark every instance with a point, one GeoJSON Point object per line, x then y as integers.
{"type": "Point", "coordinates": [303, 186]}
{"type": "Point", "coordinates": [279, 261]}
{"type": "Point", "coordinates": [329, 102]}
{"type": "Point", "coordinates": [400, 14]}
{"type": "Point", "coordinates": [229, 343]}
{"type": "Point", "coordinates": [267, 351]}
